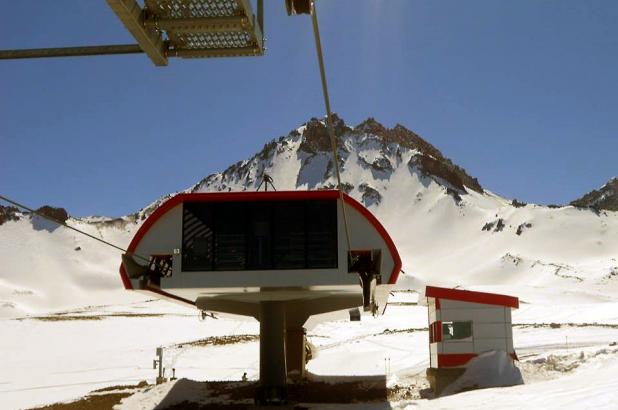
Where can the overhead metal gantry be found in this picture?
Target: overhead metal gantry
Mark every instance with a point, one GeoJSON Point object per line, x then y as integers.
{"type": "Point", "coordinates": [175, 28]}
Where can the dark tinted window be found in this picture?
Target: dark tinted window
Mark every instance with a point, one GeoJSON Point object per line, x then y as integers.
{"type": "Point", "coordinates": [320, 217]}
{"type": "Point", "coordinates": [230, 236]}
{"type": "Point", "coordinates": [259, 235]}
{"type": "Point", "coordinates": [197, 237]}
{"type": "Point", "coordinates": [456, 330]}
{"type": "Point", "coordinates": [289, 235]}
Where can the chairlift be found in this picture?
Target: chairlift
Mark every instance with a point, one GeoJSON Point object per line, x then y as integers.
{"type": "Point", "coordinates": [277, 256]}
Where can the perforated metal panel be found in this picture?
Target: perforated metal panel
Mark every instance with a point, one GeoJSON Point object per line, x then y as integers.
{"type": "Point", "coordinates": [211, 40]}
{"type": "Point", "coordinates": [192, 28]}
{"type": "Point", "coordinates": [193, 8]}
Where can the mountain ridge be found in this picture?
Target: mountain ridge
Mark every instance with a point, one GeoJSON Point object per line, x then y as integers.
{"type": "Point", "coordinates": [604, 198]}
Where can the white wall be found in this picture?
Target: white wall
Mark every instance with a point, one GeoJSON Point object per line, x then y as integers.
{"type": "Point", "coordinates": [491, 327]}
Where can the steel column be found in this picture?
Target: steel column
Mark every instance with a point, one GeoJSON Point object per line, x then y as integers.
{"type": "Point", "coordinates": [273, 374]}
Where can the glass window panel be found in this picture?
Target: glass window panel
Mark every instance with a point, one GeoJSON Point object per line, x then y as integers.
{"type": "Point", "coordinates": [259, 236]}
{"type": "Point", "coordinates": [456, 330]}
{"type": "Point", "coordinates": [289, 235]}
{"type": "Point", "coordinates": [197, 238]}
{"type": "Point", "coordinates": [321, 222]}
{"type": "Point", "coordinates": [230, 236]}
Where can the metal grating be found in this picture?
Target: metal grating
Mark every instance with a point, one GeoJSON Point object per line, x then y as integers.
{"type": "Point", "coordinates": [211, 40]}
{"type": "Point", "coordinates": [193, 8]}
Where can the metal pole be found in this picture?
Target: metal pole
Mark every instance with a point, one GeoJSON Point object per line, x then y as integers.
{"type": "Point", "coordinates": [78, 51]}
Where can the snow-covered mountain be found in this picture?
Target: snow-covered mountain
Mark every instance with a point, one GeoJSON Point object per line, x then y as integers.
{"type": "Point", "coordinates": [448, 229]}
{"type": "Point", "coordinates": [369, 156]}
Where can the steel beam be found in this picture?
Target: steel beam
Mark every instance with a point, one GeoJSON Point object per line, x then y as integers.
{"type": "Point", "coordinates": [254, 26]}
{"type": "Point", "coordinates": [70, 51]}
{"type": "Point", "coordinates": [215, 52]}
{"type": "Point", "coordinates": [149, 39]}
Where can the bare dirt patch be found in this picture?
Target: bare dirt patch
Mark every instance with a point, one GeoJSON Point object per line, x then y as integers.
{"type": "Point", "coordinates": [100, 399]}
{"type": "Point", "coordinates": [220, 340]}
{"type": "Point", "coordinates": [95, 402]}
{"type": "Point", "coordinates": [61, 317]}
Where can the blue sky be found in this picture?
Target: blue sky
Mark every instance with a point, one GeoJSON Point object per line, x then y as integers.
{"type": "Point", "coordinates": [522, 94]}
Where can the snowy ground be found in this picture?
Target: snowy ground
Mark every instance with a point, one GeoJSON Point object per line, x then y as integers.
{"type": "Point", "coordinates": [567, 360]}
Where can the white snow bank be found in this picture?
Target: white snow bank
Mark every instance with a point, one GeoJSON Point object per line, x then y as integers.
{"type": "Point", "coordinates": [489, 369]}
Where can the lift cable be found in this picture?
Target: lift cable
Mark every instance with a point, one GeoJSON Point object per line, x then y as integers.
{"type": "Point", "coordinates": [59, 222]}
{"type": "Point", "coordinates": [329, 121]}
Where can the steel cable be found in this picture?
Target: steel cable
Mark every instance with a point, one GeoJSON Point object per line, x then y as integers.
{"type": "Point", "coordinates": [59, 222]}
{"type": "Point", "coordinates": [329, 121]}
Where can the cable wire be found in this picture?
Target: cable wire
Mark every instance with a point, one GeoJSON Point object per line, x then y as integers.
{"type": "Point", "coordinates": [59, 222]}
{"type": "Point", "coordinates": [329, 121]}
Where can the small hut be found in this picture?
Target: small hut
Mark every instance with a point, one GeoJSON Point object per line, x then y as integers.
{"type": "Point", "coordinates": [462, 325]}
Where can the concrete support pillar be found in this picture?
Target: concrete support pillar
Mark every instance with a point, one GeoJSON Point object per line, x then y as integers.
{"type": "Point", "coordinates": [295, 343]}
{"type": "Point", "coordinates": [273, 373]}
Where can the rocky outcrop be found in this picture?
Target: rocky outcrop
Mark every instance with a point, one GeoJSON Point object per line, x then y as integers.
{"type": "Point", "coordinates": [8, 213]}
{"type": "Point", "coordinates": [57, 214]}
{"type": "Point", "coordinates": [604, 198]}
{"type": "Point", "coordinates": [447, 171]}
{"type": "Point", "coordinates": [316, 138]}
{"type": "Point", "coordinates": [370, 195]}
{"type": "Point", "coordinates": [430, 162]}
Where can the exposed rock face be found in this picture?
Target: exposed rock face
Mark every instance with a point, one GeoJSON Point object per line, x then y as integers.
{"type": "Point", "coordinates": [446, 170]}
{"type": "Point", "coordinates": [8, 213]}
{"type": "Point", "coordinates": [316, 138]}
{"type": "Point", "coordinates": [604, 198]}
{"type": "Point", "coordinates": [58, 214]}
{"type": "Point", "coordinates": [370, 195]}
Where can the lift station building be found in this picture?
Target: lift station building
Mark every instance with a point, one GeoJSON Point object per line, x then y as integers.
{"type": "Point", "coordinates": [279, 257]}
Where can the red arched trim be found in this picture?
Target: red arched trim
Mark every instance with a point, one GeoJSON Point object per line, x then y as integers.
{"type": "Point", "coordinates": [387, 238]}
{"type": "Point", "coordinates": [261, 196]}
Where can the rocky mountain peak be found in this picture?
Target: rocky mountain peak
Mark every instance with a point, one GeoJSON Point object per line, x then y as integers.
{"type": "Point", "coordinates": [369, 155]}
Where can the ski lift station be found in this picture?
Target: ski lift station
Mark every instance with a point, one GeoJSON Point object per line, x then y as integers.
{"type": "Point", "coordinates": [462, 325]}
{"type": "Point", "coordinates": [279, 257]}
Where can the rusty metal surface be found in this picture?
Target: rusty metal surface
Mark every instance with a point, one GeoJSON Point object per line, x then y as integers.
{"type": "Point", "coordinates": [205, 28]}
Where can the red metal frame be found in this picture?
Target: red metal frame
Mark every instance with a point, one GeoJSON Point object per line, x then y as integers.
{"type": "Point", "coordinates": [460, 359]}
{"type": "Point", "coordinates": [471, 296]}
{"type": "Point", "coordinates": [257, 196]}
{"type": "Point", "coordinates": [435, 332]}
